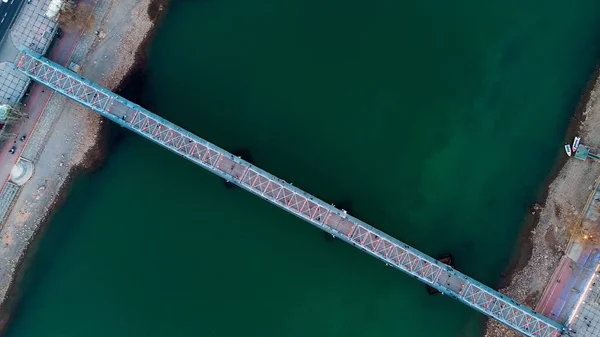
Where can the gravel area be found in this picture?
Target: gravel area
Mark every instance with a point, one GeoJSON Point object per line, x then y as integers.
{"type": "Point", "coordinates": [67, 133]}
{"type": "Point", "coordinates": [567, 196]}
{"type": "Point", "coordinates": [113, 53]}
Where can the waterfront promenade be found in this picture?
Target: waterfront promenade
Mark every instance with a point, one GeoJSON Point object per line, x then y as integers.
{"type": "Point", "coordinates": [571, 294]}
{"type": "Point", "coordinates": [34, 29]}
{"type": "Point", "coordinates": [64, 134]}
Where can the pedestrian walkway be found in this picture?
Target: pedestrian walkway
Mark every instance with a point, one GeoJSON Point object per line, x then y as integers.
{"type": "Point", "coordinates": [12, 84]}
{"type": "Point", "coordinates": [585, 321]}
{"type": "Point", "coordinates": [582, 271]}
{"type": "Point", "coordinates": [551, 303]}
{"type": "Point", "coordinates": [7, 196]}
{"type": "Point", "coordinates": [33, 28]}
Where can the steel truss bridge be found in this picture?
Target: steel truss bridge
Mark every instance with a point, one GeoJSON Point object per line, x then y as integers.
{"type": "Point", "coordinates": [292, 199]}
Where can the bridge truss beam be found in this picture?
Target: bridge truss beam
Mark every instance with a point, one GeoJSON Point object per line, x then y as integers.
{"type": "Point", "coordinates": [282, 194]}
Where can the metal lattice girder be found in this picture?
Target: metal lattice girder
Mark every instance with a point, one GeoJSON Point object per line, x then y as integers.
{"type": "Point", "coordinates": [58, 80]}
{"type": "Point", "coordinates": [282, 194]}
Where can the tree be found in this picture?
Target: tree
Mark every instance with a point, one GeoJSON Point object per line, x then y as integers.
{"type": "Point", "coordinates": [582, 230]}
{"type": "Point", "coordinates": [76, 16]}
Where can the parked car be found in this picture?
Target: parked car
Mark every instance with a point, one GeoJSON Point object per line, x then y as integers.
{"type": "Point", "coordinates": [12, 150]}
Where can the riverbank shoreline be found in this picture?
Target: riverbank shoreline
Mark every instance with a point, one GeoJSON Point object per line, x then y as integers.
{"type": "Point", "coordinates": [543, 240]}
{"type": "Point", "coordinates": [112, 70]}
{"type": "Point", "coordinates": [524, 247]}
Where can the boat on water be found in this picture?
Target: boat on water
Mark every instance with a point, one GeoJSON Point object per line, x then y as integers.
{"type": "Point", "coordinates": [568, 149]}
{"type": "Point", "coordinates": [576, 143]}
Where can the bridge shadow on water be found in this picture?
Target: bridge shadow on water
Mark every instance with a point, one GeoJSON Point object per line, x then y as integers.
{"type": "Point", "coordinates": [133, 87]}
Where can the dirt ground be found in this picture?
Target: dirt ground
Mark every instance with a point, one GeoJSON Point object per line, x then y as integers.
{"type": "Point", "coordinates": [73, 134]}
{"type": "Point", "coordinates": [567, 196]}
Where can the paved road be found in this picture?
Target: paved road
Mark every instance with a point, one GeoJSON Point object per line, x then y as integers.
{"type": "Point", "coordinates": [8, 12]}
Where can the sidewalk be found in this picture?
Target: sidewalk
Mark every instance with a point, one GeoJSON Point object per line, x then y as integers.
{"type": "Point", "coordinates": [567, 286]}
{"type": "Point", "coordinates": [546, 305]}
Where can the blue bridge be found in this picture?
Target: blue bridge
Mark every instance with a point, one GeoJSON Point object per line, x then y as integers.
{"type": "Point", "coordinates": [292, 199]}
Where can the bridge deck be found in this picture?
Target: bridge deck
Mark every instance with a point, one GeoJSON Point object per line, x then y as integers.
{"type": "Point", "coordinates": [282, 194]}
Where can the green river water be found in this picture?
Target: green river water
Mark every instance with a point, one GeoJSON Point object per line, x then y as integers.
{"type": "Point", "coordinates": [435, 121]}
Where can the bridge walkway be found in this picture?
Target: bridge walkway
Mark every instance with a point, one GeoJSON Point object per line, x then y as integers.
{"type": "Point", "coordinates": [337, 222]}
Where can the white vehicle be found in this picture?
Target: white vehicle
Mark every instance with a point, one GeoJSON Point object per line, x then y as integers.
{"type": "Point", "coordinates": [5, 1]}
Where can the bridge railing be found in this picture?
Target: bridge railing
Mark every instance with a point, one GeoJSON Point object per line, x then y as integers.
{"type": "Point", "coordinates": [288, 197]}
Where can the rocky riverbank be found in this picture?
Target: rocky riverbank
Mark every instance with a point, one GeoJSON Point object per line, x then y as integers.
{"type": "Point", "coordinates": [545, 243]}
{"type": "Point", "coordinates": [70, 135]}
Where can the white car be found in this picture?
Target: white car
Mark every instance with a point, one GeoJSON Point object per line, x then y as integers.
{"type": "Point", "coordinates": [5, 1]}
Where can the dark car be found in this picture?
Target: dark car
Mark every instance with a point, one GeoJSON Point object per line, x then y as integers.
{"type": "Point", "coordinates": [12, 150]}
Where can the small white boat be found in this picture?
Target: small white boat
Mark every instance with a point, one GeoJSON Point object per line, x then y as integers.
{"type": "Point", "coordinates": [568, 149]}
{"type": "Point", "coordinates": [576, 143]}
